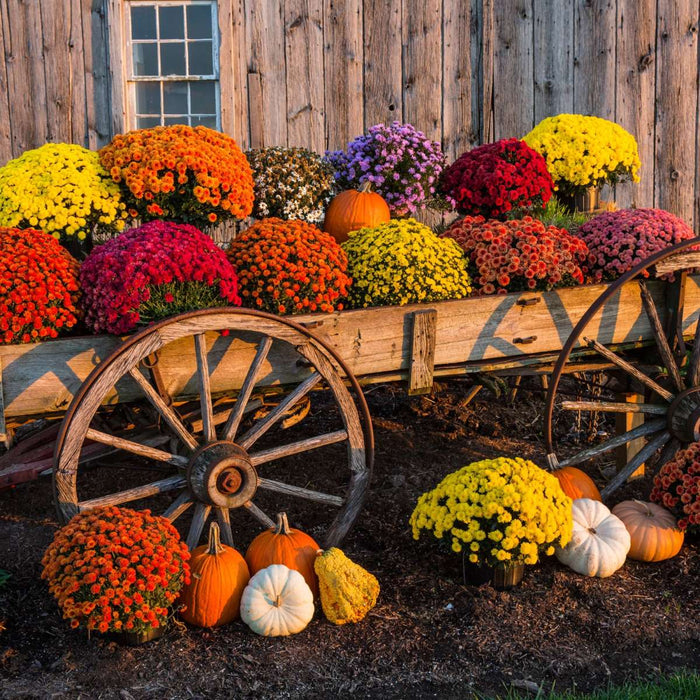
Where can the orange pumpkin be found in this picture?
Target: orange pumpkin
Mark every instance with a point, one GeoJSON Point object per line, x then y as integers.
{"type": "Point", "coordinates": [577, 484]}
{"type": "Point", "coordinates": [219, 575]}
{"type": "Point", "coordinates": [354, 209]}
{"type": "Point", "coordinates": [653, 530]}
{"type": "Point", "coordinates": [282, 545]}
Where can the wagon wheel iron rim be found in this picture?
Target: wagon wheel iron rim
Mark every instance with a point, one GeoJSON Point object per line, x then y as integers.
{"type": "Point", "coordinates": [220, 471]}
{"type": "Point", "coordinates": [673, 418]}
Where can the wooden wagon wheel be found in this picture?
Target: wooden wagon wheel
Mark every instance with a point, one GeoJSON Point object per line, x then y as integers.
{"type": "Point", "coordinates": [219, 468]}
{"type": "Point", "coordinates": [672, 399]}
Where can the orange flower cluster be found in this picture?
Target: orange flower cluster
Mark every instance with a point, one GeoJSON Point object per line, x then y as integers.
{"type": "Point", "coordinates": [39, 288]}
{"type": "Point", "coordinates": [189, 175]}
{"type": "Point", "coordinates": [115, 569]}
{"type": "Point", "coordinates": [288, 267]}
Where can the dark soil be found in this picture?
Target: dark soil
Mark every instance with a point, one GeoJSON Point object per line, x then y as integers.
{"type": "Point", "coordinates": [429, 636]}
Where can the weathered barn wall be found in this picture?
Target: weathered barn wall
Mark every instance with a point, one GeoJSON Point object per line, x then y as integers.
{"type": "Point", "coordinates": [318, 72]}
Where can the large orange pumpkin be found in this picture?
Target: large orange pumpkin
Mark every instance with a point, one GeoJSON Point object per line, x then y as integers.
{"type": "Point", "coordinates": [653, 530]}
{"type": "Point", "coordinates": [577, 484]}
{"type": "Point", "coordinates": [219, 576]}
{"type": "Point", "coordinates": [354, 209]}
{"type": "Point", "coordinates": [282, 545]}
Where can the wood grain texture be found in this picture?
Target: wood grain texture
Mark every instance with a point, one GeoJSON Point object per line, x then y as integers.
{"type": "Point", "coordinates": [303, 33]}
{"type": "Point", "coordinates": [383, 102]}
{"type": "Point", "coordinates": [343, 71]}
{"type": "Point", "coordinates": [635, 95]}
{"type": "Point", "coordinates": [553, 59]}
{"type": "Point", "coordinates": [676, 106]}
{"type": "Point", "coordinates": [483, 42]}
{"type": "Point", "coordinates": [6, 106]}
{"type": "Point", "coordinates": [623, 423]}
{"type": "Point", "coordinates": [233, 70]}
{"type": "Point", "coordinates": [97, 87]}
{"type": "Point", "coordinates": [422, 361]}
{"type": "Point", "coordinates": [422, 46]}
{"type": "Point", "coordinates": [513, 95]}
{"type": "Point", "coordinates": [116, 66]}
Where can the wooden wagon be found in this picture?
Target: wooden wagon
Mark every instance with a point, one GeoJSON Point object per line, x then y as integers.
{"type": "Point", "coordinates": [223, 382]}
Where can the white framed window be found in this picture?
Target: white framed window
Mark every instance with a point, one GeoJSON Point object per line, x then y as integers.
{"type": "Point", "coordinates": [172, 63]}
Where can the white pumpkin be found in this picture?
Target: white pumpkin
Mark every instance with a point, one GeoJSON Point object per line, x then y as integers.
{"type": "Point", "coordinates": [277, 601]}
{"type": "Point", "coordinates": [599, 543]}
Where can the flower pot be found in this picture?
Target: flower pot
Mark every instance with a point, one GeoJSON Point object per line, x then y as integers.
{"type": "Point", "coordinates": [134, 639]}
{"type": "Point", "coordinates": [584, 200]}
{"type": "Point", "coordinates": [502, 577]}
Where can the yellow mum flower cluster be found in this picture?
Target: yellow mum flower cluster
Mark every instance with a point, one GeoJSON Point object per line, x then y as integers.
{"type": "Point", "coordinates": [497, 510]}
{"type": "Point", "coordinates": [404, 262]}
{"type": "Point", "coordinates": [584, 151]}
{"type": "Point", "coordinates": [60, 189]}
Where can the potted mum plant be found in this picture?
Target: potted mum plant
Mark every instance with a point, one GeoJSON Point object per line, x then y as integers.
{"type": "Point", "coordinates": [117, 570]}
{"type": "Point", "coordinates": [500, 514]}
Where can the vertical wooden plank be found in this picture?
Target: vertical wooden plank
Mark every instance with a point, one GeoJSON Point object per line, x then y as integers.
{"type": "Point", "coordinates": [116, 66]}
{"type": "Point", "coordinates": [77, 47]}
{"type": "Point", "coordinates": [56, 66]}
{"type": "Point", "coordinates": [594, 58]}
{"type": "Point", "coordinates": [623, 423]}
{"type": "Point", "coordinates": [676, 106]}
{"type": "Point", "coordinates": [25, 74]}
{"type": "Point", "coordinates": [5, 136]}
{"type": "Point", "coordinates": [482, 48]}
{"type": "Point", "coordinates": [513, 89]}
{"type": "Point", "coordinates": [343, 79]}
{"type": "Point", "coordinates": [422, 65]}
{"type": "Point", "coordinates": [634, 108]}
{"type": "Point", "coordinates": [98, 123]}
{"type": "Point", "coordinates": [264, 25]}
{"type": "Point", "coordinates": [553, 59]}
{"type": "Point", "coordinates": [459, 132]}
{"type": "Point", "coordinates": [233, 72]}
{"type": "Point", "coordinates": [420, 373]}
{"type": "Point", "coordinates": [382, 57]}
{"type": "Point", "coordinates": [303, 28]}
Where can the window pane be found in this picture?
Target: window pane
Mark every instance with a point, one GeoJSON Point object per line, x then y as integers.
{"type": "Point", "coordinates": [204, 121]}
{"type": "Point", "coordinates": [147, 122]}
{"type": "Point", "coordinates": [175, 98]}
{"type": "Point", "coordinates": [199, 22]}
{"type": "Point", "coordinates": [172, 59]}
{"type": "Point", "coordinates": [145, 59]}
{"type": "Point", "coordinates": [143, 22]}
{"type": "Point", "coordinates": [203, 97]}
{"type": "Point", "coordinates": [148, 98]}
{"type": "Point", "coordinates": [175, 120]}
{"type": "Point", "coordinates": [200, 58]}
{"type": "Point", "coordinates": [172, 23]}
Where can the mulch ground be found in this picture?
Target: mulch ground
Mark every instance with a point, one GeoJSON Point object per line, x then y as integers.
{"type": "Point", "coordinates": [429, 636]}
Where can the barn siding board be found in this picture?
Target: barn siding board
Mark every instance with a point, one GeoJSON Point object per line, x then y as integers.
{"type": "Point", "coordinates": [513, 93]}
{"type": "Point", "coordinates": [635, 95]}
{"type": "Point", "coordinates": [553, 60]}
{"type": "Point", "coordinates": [56, 66]}
{"type": "Point", "coordinates": [5, 112]}
{"type": "Point", "coordinates": [343, 71]}
{"type": "Point", "coordinates": [303, 31]}
{"type": "Point", "coordinates": [234, 82]}
{"type": "Point", "coordinates": [97, 87]}
{"type": "Point", "coordinates": [676, 105]}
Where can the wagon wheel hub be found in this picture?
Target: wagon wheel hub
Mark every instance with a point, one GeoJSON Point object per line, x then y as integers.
{"type": "Point", "coordinates": [684, 415]}
{"type": "Point", "coordinates": [221, 474]}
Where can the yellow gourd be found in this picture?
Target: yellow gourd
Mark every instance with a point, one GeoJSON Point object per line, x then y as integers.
{"type": "Point", "coordinates": [348, 592]}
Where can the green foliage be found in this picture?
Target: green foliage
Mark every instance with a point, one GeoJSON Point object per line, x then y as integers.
{"type": "Point", "coordinates": [556, 214]}
{"type": "Point", "coordinates": [178, 297]}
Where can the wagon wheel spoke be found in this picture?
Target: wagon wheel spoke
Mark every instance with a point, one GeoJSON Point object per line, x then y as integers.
{"type": "Point", "coordinates": [236, 414]}
{"type": "Point", "coordinates": [642, 456]}
{"type": "Point", "coordinates": [694, 365]}
{"type": "Point", "coordinates": [676, 307]}
{"type": "Point", "coordinates": [259, 515]}
{"type": "Point", "coordinates": [263, 425]}
{"type": "Point", "coordinates": [201, 513]}
{"type": "Point", "coordinates": [660, 337]}
{"type": "Point", "coordinates": [294, 448]}
{"type": "Point", "coordinates": [223, 517]}
{"type": "Point", "coordinates": [670, 449]}
{"type": "Point", "coordinates": [220, 417]}
{"type": "Point", "coordinates": [630, 369]}
{"type": "Point", "coordinates": [138, 492]}
{"type": "Point", "coordinates": [614, 407]}
{"type": "Point", "coordinates": [137, 448]}
{"type": "Point", "coordinates": [308, 494]}
{"type": "Point", "coordinates": [178, 506]}
{"type": "Point", "coordinates": [169, 415]}
{"type": "Point", "coordinates": [648, 428]}
{"type": "Point", "coordinates": [208, 427]}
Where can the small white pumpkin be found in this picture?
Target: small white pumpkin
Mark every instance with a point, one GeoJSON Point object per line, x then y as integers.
{"type": "Point", "coordinates": [277, 601]}
{"type": "Point", "coordinates": [599, 543]}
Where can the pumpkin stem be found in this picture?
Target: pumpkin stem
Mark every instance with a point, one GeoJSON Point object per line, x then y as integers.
{"type": "Point", "coordinates": [278, 601]}
{"type": "Point", "coordinates": [366, 186]}
{"type": "Point", "coordinates": [647, 510]}
{"type": "Point", "coordinates": [282, 527]}
{"type": "Point", "coordinates": [215, 547]}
